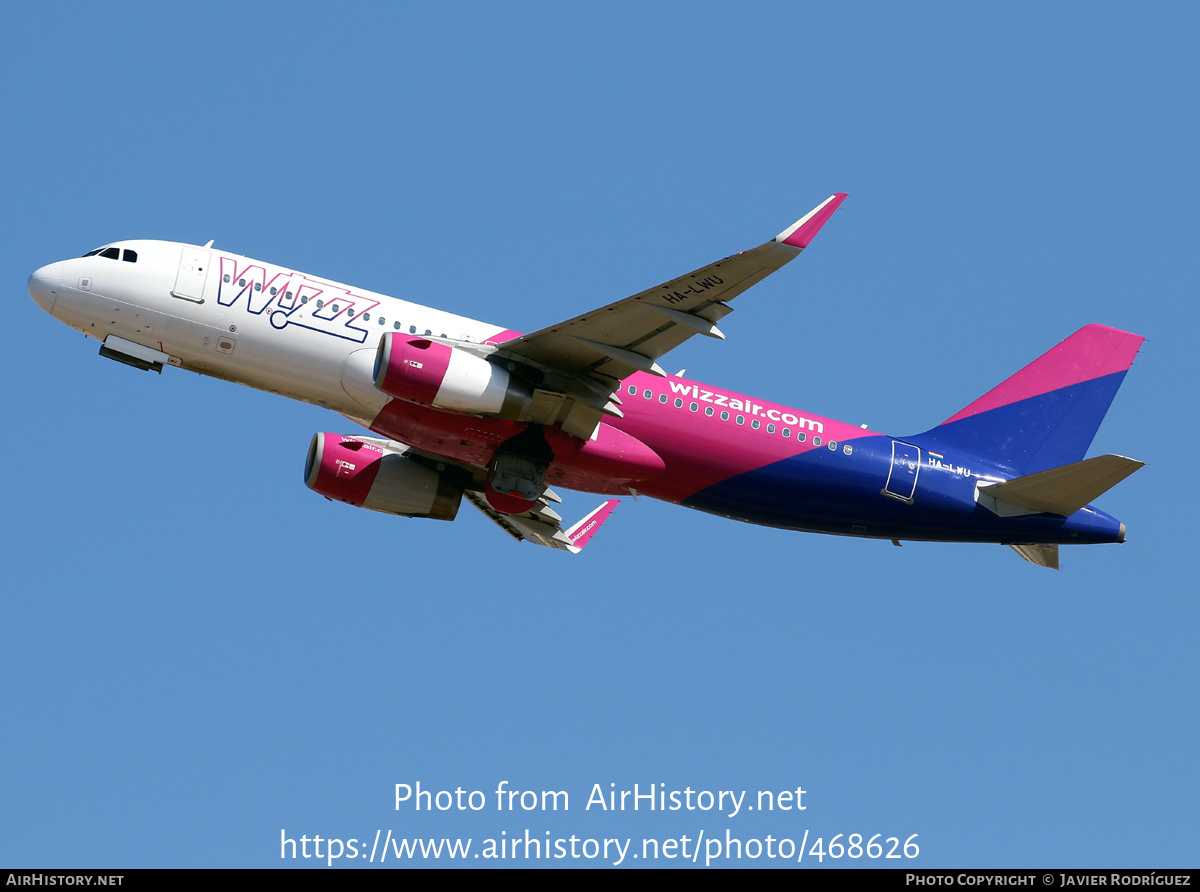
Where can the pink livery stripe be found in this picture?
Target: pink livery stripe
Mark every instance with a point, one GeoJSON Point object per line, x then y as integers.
{"type": "Point", "coordinates": [800, 233]}
{"type": "Point", "coordinates": [1092, 352]}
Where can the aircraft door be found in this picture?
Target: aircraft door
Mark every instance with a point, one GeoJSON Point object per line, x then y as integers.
{"type": "Point", "coordinates": [193, 271]}
{"type": "Point", "coordinates": [902, 478]}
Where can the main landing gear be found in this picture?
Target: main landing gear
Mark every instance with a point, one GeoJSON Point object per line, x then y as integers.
{"type": "Point", "coordinates": [517, 474]}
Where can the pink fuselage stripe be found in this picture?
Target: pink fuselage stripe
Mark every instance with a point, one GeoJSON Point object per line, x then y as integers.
{"type": "Point", "coordinates": [696, 450]}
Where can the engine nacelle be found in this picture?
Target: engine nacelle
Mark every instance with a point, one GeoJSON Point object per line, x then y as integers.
{"type": "Point", "coordinates": [432, 374]}
{"type": "Point", "coordinates": [379, 476]}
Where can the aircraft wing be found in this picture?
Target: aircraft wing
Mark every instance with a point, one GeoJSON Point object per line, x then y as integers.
{"type": "Point", "coordinates": [585, 358]}
{"type": "Point", "coordinates": [542, 525]}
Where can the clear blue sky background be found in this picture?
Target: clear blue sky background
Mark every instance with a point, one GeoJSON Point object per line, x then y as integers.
{"type": "Point", "coordinates": [199, 652]}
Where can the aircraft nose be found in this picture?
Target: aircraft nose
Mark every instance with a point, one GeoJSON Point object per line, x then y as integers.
{"type": "Point", "coordinates": [43, 285]}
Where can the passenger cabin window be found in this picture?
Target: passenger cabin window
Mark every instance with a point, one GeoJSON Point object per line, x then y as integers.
{"type": "Point", "coordinates": [129, 256]}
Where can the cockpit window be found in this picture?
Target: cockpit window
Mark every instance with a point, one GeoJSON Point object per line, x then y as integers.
{"type": "Point", "coordinates": [113, 254]}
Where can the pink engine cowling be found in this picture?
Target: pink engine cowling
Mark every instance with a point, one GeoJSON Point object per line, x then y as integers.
{"type": "Point", "coordinates": [369, 476]}
{"type": "Point", "coordinates": [423, 371]}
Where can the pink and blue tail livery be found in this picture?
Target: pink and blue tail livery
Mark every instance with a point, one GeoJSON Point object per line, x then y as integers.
{"type": "Point", "coordinates": [1046, 415]}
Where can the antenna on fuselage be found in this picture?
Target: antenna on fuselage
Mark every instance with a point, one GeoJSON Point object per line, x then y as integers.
{"type": "Point", "coordinates": [208, 244]}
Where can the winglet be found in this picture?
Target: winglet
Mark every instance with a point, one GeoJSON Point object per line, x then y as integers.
{"type": "Point", "coordinates": [800, 233]}
{"type": "Point", "coordinates": [583, 531]}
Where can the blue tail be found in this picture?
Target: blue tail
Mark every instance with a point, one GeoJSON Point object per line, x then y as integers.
{"type": "Point", "coordinates": [1046, 415]}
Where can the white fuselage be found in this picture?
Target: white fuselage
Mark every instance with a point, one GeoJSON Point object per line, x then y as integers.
{"type": "Point", "coordinates": [254, 323]}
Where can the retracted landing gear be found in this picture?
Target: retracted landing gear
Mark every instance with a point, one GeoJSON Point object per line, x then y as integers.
{"type": "Point", "coordinates": [517, 474]}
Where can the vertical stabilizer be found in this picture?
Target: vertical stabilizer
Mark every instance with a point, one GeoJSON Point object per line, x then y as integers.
{"type": "Point", "coordinates": [1046, 415]}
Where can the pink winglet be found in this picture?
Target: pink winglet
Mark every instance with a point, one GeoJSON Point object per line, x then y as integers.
{"type": "Point", "coordinates": [800, 233]}
{"type": "Point", "coordinates": [1093, 351]}
{"type": "Point", "coordinates": [586, 528]}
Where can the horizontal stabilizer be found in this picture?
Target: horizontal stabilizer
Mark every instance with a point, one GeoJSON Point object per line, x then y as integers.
{"type": "Point", "coordinates": [1042, 555]}
{"type": "Point", "coordinates": [1063, 490]}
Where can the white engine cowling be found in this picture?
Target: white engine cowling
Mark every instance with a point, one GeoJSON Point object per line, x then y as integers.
{"type": "Point", "coordinates": [424, 371]}
{"type": "Point", "coordinates": [379, 476]}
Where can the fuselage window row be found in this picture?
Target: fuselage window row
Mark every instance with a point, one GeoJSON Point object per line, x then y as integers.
{"type": "Point", "coordinates": [755, 423]}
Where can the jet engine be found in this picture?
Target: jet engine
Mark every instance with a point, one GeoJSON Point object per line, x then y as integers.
{"type": "Point", "coordinates": [376, 474]}
{"type": "Point", "coordinates": [432, 374]}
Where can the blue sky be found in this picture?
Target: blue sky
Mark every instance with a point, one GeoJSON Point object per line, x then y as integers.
{"type": "Point", "coordinates": [198, 652]}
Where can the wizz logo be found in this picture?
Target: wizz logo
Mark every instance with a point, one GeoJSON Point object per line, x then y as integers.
{"type": "Point", "coordinates": [290, 298]}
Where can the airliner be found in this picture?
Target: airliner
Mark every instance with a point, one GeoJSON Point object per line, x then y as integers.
{"type": "Point", "coordinates": [464, 409]}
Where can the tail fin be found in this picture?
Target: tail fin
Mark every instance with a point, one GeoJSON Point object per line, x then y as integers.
{"type": "Point", "coordinates": [1045, 415]}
